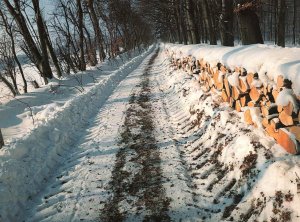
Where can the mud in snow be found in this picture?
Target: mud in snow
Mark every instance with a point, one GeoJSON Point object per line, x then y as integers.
{"type": "Point", "coordinates": [136, 185]}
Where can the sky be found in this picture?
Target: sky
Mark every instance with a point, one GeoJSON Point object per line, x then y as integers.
{"type": "Point", "coordinates": [47, 7]}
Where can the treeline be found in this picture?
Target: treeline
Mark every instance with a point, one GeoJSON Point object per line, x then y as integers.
{"type": "Point", "coordinates": [77, 33]}
{"type": "Point", "coordinates": [207, 21]}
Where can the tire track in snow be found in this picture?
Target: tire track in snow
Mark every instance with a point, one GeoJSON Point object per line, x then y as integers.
{"type": "Point", "coordinates": [76, 191]}
{"type": "Point", "coordinates": [136, 185]}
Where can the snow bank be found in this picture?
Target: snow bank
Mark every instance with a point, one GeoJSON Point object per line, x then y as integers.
{"type": "Point", "coordinates": [258, 58]}
{"type": "Point", "coordinates": [26, 162]}
{"type": "Point", "coordinates": [286, 96]}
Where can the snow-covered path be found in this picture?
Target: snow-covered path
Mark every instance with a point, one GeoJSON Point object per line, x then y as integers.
{"type": "Point", "coordinates": [127, 165]}
{"type": "Point", "coordinates": [80, 187]}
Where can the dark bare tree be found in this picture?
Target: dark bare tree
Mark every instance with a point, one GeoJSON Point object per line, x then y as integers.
{"type": "Point", "coordinates": [281, 23]}
{"type": "Point", "coordinates": [8, 26]}
{"type": "Point", "coordinates": [8, 73]}
{"type": "Point", "coordinates": [226, 23]}
{"type": "Point", "coordinates": [96, 26]}
{"type": "Point", "coordinates": [81, 35]}
{"type": "Point", "coordinates": [39, 57]}
{"type": "Point", "coordinates": [249, 27]}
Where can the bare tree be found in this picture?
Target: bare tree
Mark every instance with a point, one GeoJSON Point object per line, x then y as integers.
{"type": "Point", "coordinates": [8, 26]}
{"type": "Point", "coordinates": [96, 26]}
{"type": "Point", "coordinates": [226, 23]}
{"type": "Point", "coordinates": [39, 58]}
{"type": "Point", "coordinates": [81, 35]}
{"type": "Point", "coordinates": [207, 16]}
{"type": "Point", "coordinates": [248, 22]}
{"type": "Point", "coordinates": [281, 23]}
{"type": "Point", "coordinates": [7, 65]}
{"type": "Point", "coordinates": [190, 9]}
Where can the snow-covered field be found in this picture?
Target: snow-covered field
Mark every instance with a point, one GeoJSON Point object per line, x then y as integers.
{"type": "Point", "coordinates": [141, 142]}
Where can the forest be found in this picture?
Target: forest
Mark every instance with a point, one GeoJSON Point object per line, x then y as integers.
{"type": "Point", "coordinates": [77, 34]}
{"type": "Point", "coordinates": [243, 21]}
{"type": "Point", "coordinates": [85, 32]}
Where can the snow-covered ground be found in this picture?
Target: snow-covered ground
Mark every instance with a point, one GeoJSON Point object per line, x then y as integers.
{"type": "Point", "coordinates": [142, 143]}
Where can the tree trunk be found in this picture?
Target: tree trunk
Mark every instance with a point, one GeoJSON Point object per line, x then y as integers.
{"type": "Point", "coordinates": [8, 84]}
{"type": "Point", "coordinates": [281, 23]}
{"type": "Point", "coordinates": [12, 75]}
{"type": "Point", "coordinates": [181, 20]}
{"type": "Point", "coordinates": [96, 26]}
{"type": "Point", "coordinates": [179, 37]}
{"type": "Point", "coordinates": [178, 26]}
{"type": "Point", "coordinates": [44, 39]}
{"type": "Point", "coordinates": [191, 21]}
{"type": "Point", "coordinates": [248, 24]}
{"type": "Point", "coordinates": [189, 34]}
{"type": "Point", "coordinates": [271, 21]}
{"type": "Point", "coordinates": [275, 2]}
{"type": "Point", "coordinates": [188, 23]}
{"type": "Point", "coordinates": [81, 35]}
{"type": "Point", "coordinates": [41, 64]}
{"type": "Point", "coordinates": [18, 63]}
{"type": "Point", "coordinates": [294, 21]}
{"type": "Point", "coordinates": [9, 31]}
{"type": "Point", "coordinates": [226, 23]}
{"type": "Point", "coordinates": [208, 22]}
{"type": "Point", "coordinates": [53, 54]}
{"type": "Point", "coordinates": [20, 68]}
{"type": "Point", "coordinates": [91, 50]}
{"type": "Point", "coordinates": [1, 140]}
{"type": "Point", "coordinates": [201, 23]}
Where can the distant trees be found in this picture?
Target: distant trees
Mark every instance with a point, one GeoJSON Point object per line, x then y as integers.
{"type": "Point", "coordinates": [82, 32]}
{"type": "Point", "coordinates": [207, 21]}
{"type": "Point", "coordinates": [280, 21]}
{"type": "Point", "coordinates": [192, 22]}
{"type": "Point", "coordinates": [82, 64]}
{"type": "Point", "coordinates": [85, 32]}
{"type": "Point", "coordinates": [86, 25]}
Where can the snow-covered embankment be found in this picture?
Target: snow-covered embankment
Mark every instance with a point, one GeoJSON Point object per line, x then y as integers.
{"type": "Point", "coordinates": [26, 163]}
